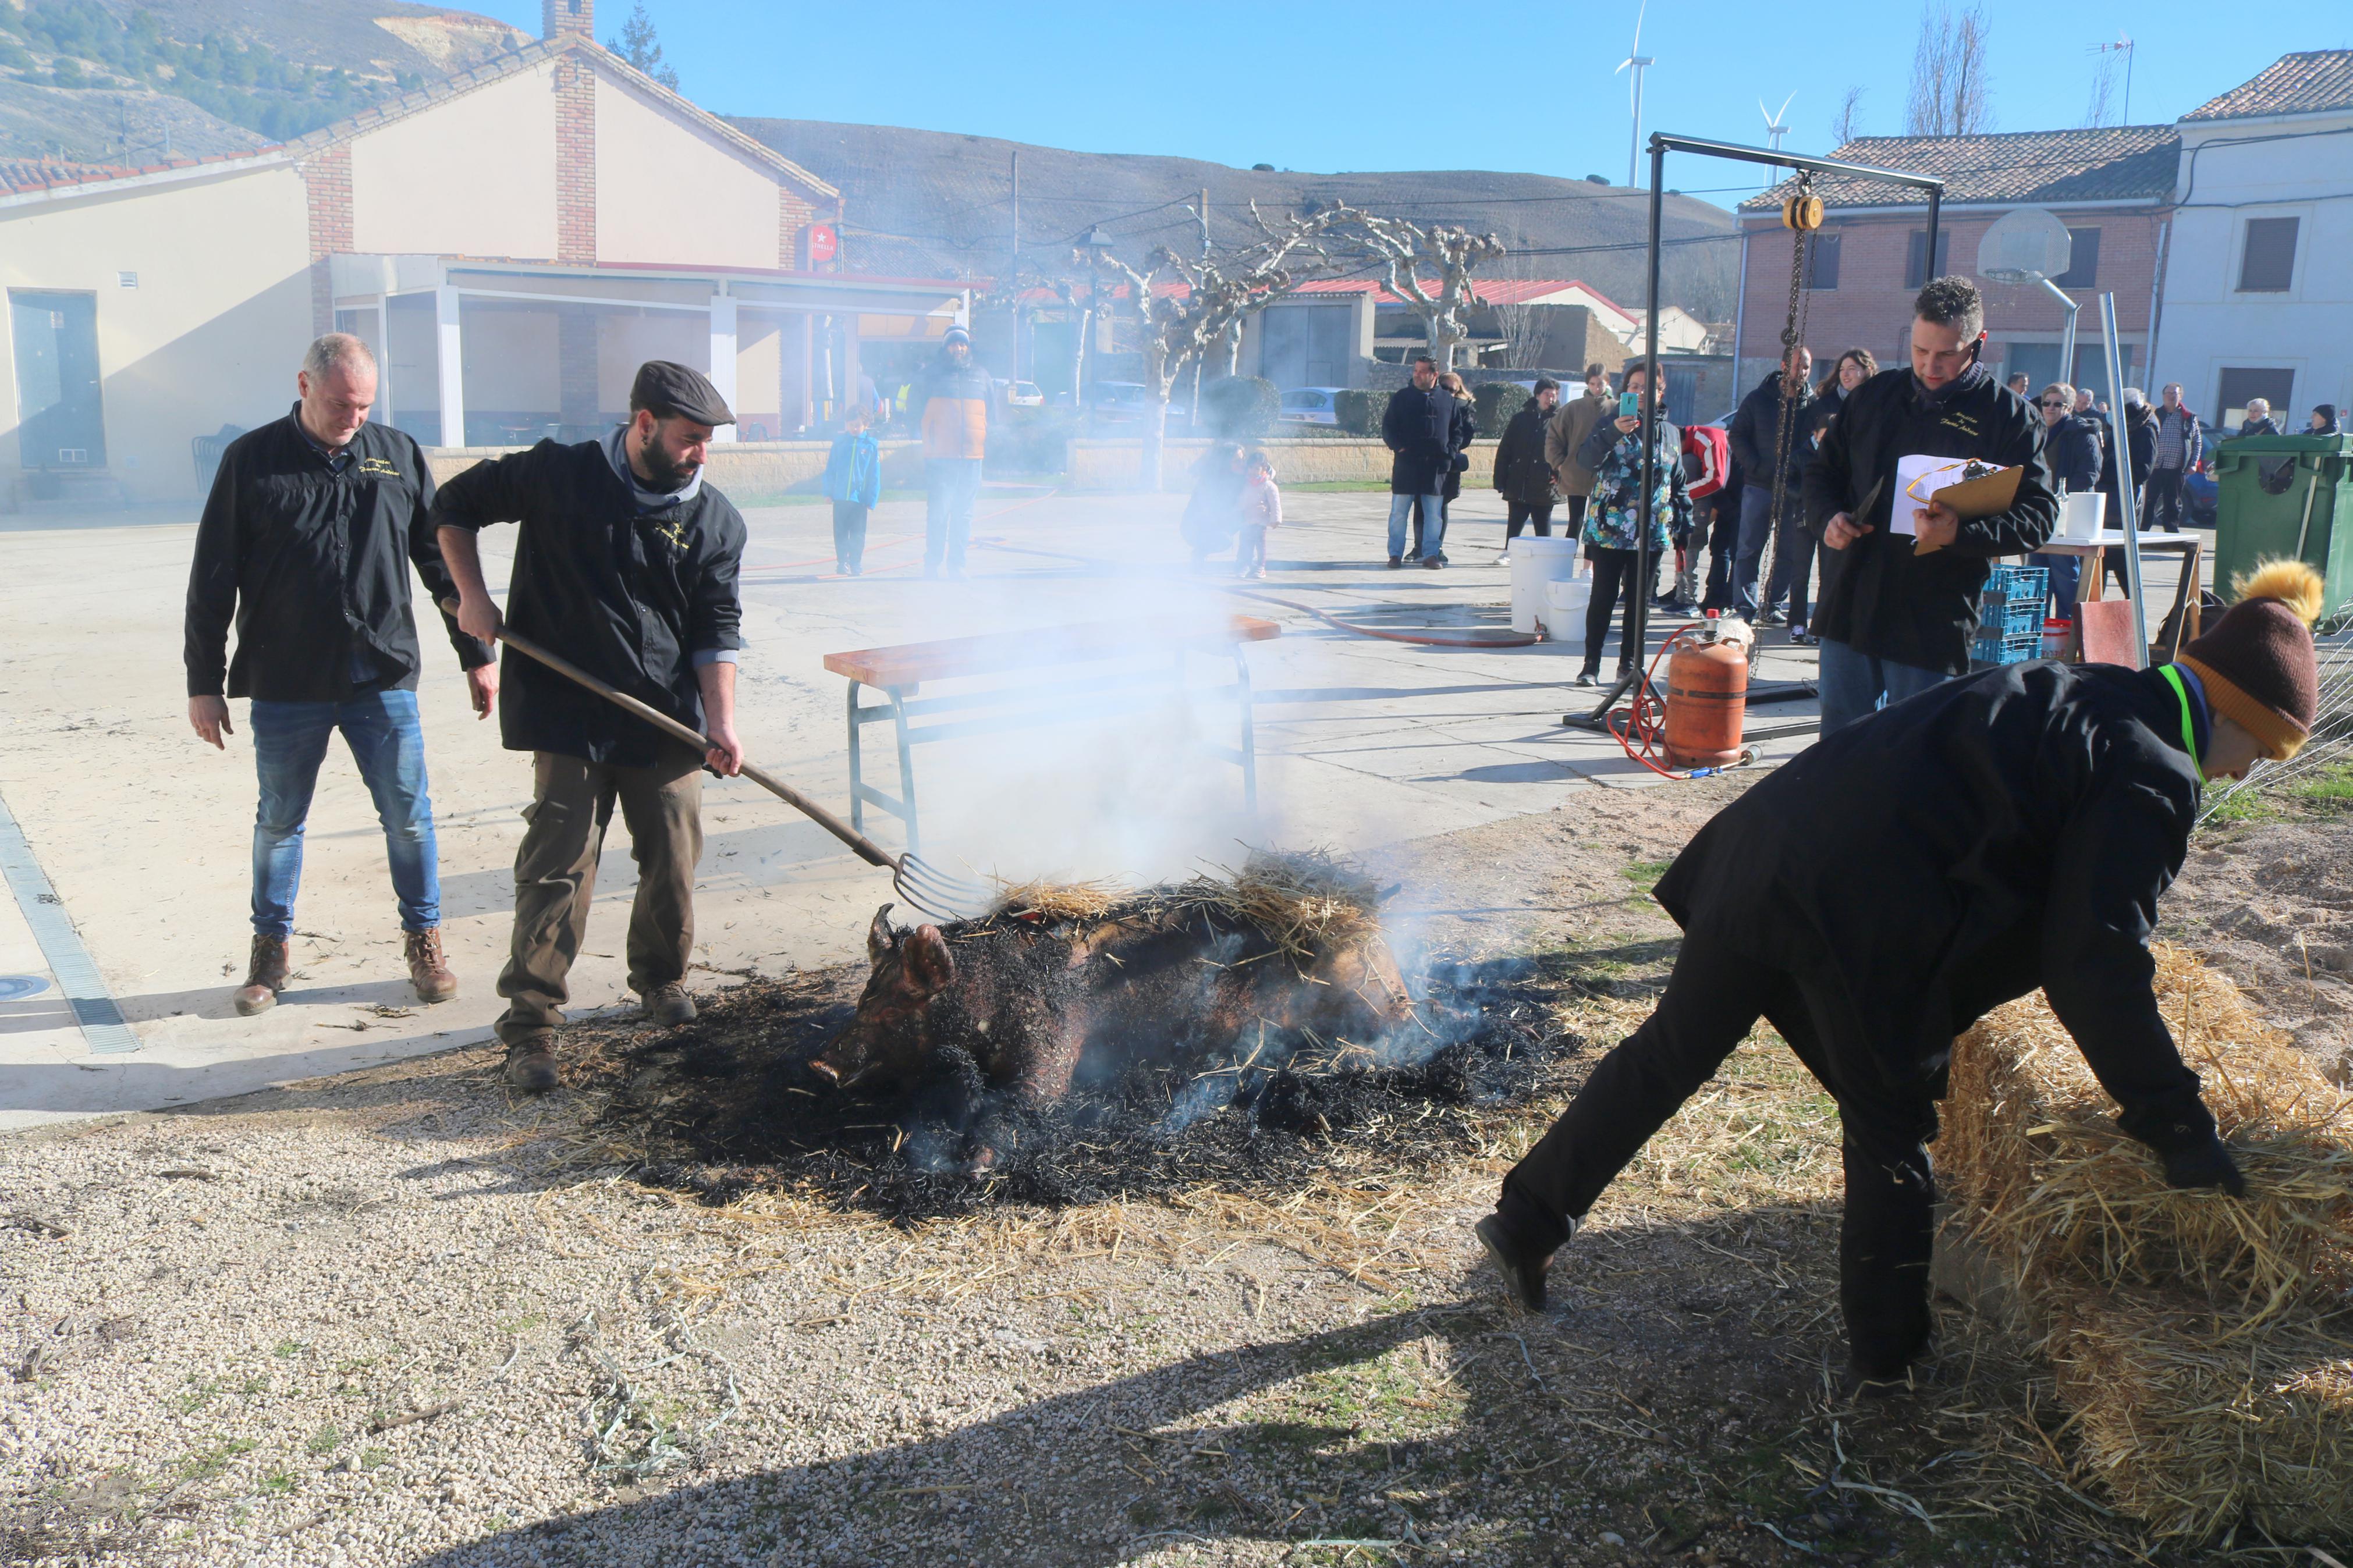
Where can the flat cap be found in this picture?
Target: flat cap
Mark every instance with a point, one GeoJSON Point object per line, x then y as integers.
{"type": "Point", "coordinates": [673, 391]}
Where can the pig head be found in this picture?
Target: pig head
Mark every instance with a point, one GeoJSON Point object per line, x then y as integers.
{"type": "Point", "coordinates": [892, 1035]}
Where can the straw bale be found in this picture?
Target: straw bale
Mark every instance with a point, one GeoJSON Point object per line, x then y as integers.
{"type": "Point", "coordinates": [2194, 1424]}
{"type": "Point", "coordinates": [2045, 1178]}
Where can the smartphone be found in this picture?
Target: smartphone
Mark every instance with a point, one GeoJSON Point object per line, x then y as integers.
{"type": "Point", "coordinates": [1630, 406]}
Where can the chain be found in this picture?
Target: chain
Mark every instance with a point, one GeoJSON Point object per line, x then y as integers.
{"type": "Point", "coordinates": [1793, 337]}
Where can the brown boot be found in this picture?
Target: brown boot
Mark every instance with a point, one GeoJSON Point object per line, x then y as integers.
{"type": "Point", "coordinates": [530, 1063]}
{"type": "Point", "coordinates": [427, 969]}
{"type": "Point", "coordinates": [264, 977]}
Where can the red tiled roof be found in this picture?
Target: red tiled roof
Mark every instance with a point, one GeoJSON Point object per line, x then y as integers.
{"type": "Point", "coordinates": [2306, 83]}
{"type": "Point", "coordinates": [42, 174]}
{"type": "Point", "coordinates": [2105, 163]}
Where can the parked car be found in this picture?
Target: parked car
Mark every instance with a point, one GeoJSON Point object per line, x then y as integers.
{"type": "Point", "coordinates": [1023, 395]}
{"type": "Point", "coordinates": [1118, 401]}
{"type": "Point", "coordinates": [2201, 493]}
{"type": "Point", "coordinates": [1311, 406]}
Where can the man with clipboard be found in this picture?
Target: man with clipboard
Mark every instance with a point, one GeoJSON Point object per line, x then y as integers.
{"type": "Point", "coordinates": [1902, 581]}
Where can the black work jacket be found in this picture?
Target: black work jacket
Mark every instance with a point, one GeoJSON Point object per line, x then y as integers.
{"type": "Point", "coordinates": [1954, 851]}
{"type": "Point", "coordinates": [1422, 429]}
{"type": "Point", "coordinates": [314, 563]}
{"type": "Point", "coordinates": [1755, 431]}
{"type": "Point", "coordinates": [630, 598]}
{"type": "Point", "coordinates": [1521, 472]}
{"type": "Point", "coordinates": [1877, 597]}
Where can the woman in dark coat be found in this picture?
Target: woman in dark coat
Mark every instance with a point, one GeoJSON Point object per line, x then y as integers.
{"type": "Point", "coordinates": [2070, 445]}
{"type": "Point", "coordinates": [1875, 897]}
{"type": "Point", "coordinates": [1462, 432]}
{"type": "Point", "coordinates": [1522, 477]}
{"type": "Point", "coordinates": [1613, 538]}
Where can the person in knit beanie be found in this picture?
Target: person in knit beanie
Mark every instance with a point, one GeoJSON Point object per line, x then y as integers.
{"type": "Point", "coordinates": [1877, 894]}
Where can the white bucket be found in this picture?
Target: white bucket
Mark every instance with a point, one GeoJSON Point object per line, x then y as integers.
{"type": "Point", "coordinates": [1534, 563]}
{"type": "Point", "coordinates": [2082, 516]}
{"type": "Point", "coordinates": [1563, 607]}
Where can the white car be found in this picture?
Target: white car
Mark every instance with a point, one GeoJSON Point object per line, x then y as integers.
{"type": "Point", "coordinates": [1024, 395]}
{"type": "Point", "coordinates": [1311, 406]}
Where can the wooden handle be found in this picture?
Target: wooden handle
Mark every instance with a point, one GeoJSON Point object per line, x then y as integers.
{"type": "Point", "coordinates": [867, 849]}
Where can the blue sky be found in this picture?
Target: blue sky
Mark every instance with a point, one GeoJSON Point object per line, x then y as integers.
{"type": "Point", "coordinates": [1311, 84]}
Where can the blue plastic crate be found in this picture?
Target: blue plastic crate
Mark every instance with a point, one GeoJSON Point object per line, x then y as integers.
{"type": "Point", "coordinates": [2009, 615]}
{"type": "Point", "coordinates": [2019, 581]}
{"type": "Point", "coordinates": [2007, 647]}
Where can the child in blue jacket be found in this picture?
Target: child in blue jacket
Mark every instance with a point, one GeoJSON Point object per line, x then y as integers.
{"type": "Point", "coordinates": [853, 479]}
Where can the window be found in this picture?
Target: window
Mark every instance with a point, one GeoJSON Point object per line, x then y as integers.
{"type": "Point", "coordinates": [2083, 260]}
{"type": "Point", "coordinates": [1822, 262]}
{"type": "Point", "coordinates": [1916, 275]}
{"type": "Point", "coordinates": [2276, 387]}
{"type": "Point", "coordinates": [2267, 263]}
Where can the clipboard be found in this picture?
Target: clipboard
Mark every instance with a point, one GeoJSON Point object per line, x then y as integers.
{"type": "Point", "coordinates": [1945, 482]}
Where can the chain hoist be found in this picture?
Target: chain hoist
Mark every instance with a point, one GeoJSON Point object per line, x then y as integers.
{"type": "Point", "coordinates": [1801, 215]}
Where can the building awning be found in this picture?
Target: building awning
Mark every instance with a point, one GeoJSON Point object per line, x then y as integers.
{"type": "Point", "coordinates": [361, 280]}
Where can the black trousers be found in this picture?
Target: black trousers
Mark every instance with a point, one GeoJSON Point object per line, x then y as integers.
{"type": "Point", "coordinates": [1534, 516]}
{"type": "Point", "coordinates": [1613, 579]}
{"type": "Point", "coordinates": [1723, 543]}
{"type": "Point", "coordinates": [1713, 998]}
{"type": "Point", "coordinates": [2167, 504]}
{"type": "Point", "coordinates": [849, 535]}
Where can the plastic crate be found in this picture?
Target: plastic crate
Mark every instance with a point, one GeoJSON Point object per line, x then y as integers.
{"type": "Point", "coordinates": [2009, 614]}
{"type": "Point", "coordinates": [2019, 581]}
{"type": "Point", "coordinates": [2007, 647]}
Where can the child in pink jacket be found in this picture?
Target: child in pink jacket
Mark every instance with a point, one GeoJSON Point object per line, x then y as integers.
{"type": "Point", "coordinates": [1259, 509]}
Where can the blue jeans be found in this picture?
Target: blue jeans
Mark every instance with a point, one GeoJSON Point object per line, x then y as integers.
{"type": "Point", "coordinates": [2066, 571]}
{"type": "Point", "coordinates": [1433, 532]}
{"type": "Point", "coordinates": [1749, 555]}
{"type": "Point", "coordinates": [290, 742]}
{"type": "Point", "coordinates": [951, 486]}
{"type": "Point", "coordinates": [1856, 685]}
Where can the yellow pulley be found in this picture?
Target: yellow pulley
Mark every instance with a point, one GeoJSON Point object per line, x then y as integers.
{"type": "Point", "coordinates": [1802, 213]}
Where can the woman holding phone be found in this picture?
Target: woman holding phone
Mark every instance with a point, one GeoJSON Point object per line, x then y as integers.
{"type": "Point", "coordinates": [1612, 530]}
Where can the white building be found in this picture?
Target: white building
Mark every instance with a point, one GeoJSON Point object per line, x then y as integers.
{"type": "Point", "coordinates": [2258, 276]}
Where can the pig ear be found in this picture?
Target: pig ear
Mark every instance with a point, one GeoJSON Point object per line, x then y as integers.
{"type": "Point", "coordinates": [879, 936]}
{"type": "Point", "coordinates": [928, 959]}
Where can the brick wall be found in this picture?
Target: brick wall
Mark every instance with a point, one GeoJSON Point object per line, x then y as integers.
{"type": "Point", "coordinates": [1872, 305]}
{"type": "Point", "coordinates": [327, 188]}
{"type": "Point", "coordinates": [793, 216]}
{"type": "Point", "coordinates": [576, 157]}
{"type": "Point", "coordinates": [557, 18]}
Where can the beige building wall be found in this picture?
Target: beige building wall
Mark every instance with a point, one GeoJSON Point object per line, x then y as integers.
{"type": "Point", "coordinates": [212, 333]}
{"type": "Point", "coordinates": [759, 375]}
{"type": "Point", "coordinates": [473, 176]}
{"type": "Point", "coordinates": [669, 193]}
{"type": "Point", "coordinates": [625, 343]}
{"type": "Point", "coordinates": [510, 357]}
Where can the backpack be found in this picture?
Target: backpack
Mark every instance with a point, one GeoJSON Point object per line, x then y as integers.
{"type": "Point", "coordinates": [1707, 460]}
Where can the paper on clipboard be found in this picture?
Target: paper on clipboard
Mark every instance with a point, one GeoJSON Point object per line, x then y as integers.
{"type": "Point", "coordinates": [1909, 473]}
{"type": "Point", "coordinates": [1921, 479]}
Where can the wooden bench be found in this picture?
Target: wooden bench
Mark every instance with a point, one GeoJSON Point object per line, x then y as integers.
{"type": "Point", "coordinates": [1163, 646]}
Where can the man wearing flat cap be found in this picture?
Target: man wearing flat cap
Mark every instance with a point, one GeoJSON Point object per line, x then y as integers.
{"type": "Point", "coordinates": [626, 565]}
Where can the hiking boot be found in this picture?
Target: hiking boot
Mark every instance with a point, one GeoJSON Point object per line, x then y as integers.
{"type": "Point", "coordinates": [1920, 1371]}
{"type": "Point", "coordinates": [1396, 561]}
{"type": "Point", "coordinates": [1434, 562]}
{"type": "Point", "coordinates": [264, 977]}
{"type": "Point", "coordinates": [1522, 1271]}
{"type": "Point", "coordinates": [428, 970]}
{"type": "Point", "coordinates": [530, 1063]}
{"type": "Point", "coordinates": [668, 1003]}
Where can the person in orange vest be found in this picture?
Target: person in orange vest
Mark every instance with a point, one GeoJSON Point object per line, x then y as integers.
{"type": "Point", "coordinates": [953, 400]}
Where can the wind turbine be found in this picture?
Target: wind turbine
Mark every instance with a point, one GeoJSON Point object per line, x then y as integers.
{"type": "Point", "coordinates": [1640, 62]}
{"type": "Point", "coordinates": [1776, 125]}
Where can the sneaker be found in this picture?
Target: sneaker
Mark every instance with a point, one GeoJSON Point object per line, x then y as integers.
{"type": "Point", "coordinates": [531, 1065]}
{"type": "Point", "coordinates": [1803, 638]}
{"type": "Point", "coordinates": [1592, 677]}
{"type": "Point", "coordinates": [1522, 1272]}
{"type": "Point", "coordinates": [1771, 619]}
{"type": "Point", "coordinates": [1258, 574]}
{"type": "Point", "coordinates": [668, 1003]}
{"type": "Point", "coordinates": [264, 977]}
{"type": "Point", "coordinates": [429, 971]}
{"type": "Point", "coordinates": [1413, 555]}
{"type": "Point", "coordinates": [1503, 560]}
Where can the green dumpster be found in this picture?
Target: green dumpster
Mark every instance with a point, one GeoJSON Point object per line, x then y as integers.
{"type": "Point", "coordinates": [2282, 497]}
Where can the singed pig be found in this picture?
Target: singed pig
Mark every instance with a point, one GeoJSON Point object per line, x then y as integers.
{"type": "Point", "coordinates": [1036, 1006]}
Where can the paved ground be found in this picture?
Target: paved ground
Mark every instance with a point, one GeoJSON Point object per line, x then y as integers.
{"type": "Point", "coordinates": [143, 832]}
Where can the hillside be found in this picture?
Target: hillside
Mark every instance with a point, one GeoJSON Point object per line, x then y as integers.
{"type": "Point", "coordinates": [935, 194]}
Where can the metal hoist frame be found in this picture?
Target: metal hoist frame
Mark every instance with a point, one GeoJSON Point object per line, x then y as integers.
{"type": "Point", "coordinates": [1801, 215]}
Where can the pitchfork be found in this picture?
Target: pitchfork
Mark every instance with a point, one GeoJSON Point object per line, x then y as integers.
{"type": "Point", "coordinates": [924, 885]}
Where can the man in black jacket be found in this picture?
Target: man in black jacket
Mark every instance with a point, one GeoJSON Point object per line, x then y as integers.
{"type": "Point", "coordinates": [1419, 427]}
{"type": "Point", "coordinates": [626, 567]}
{"type": "Point", "coordinates": [1907, 874]}
{"type": "Point", "coordinates": [1901, 589]}
{"type": "Point", "coordinates": [1522, 476]}
{"type": "Point", "coordinates": [307, 539]}
{"type": "Point", "coordinates": [1757, 438]}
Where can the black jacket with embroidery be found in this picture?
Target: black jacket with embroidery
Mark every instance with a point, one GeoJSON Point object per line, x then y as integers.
{"type": "Point", "coordinates": [628, 597]}
{"type": "Point", "coordinates": [1878, 597]}
{"type": "Point", "coordinates": [313, 563]}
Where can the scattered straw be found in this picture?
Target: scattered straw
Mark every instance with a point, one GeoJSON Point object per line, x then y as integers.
{"type": "Point", "coordinates": [1039, 899]}
{"type": "Point", "coordinates": [1309, 901]}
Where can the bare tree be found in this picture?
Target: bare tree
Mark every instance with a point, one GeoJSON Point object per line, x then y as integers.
{"type": "Point", "coordinates": [1187, 305]}
{"type": "Point", "coordinates": [1950, 91]}
{"type": "Point", "coordinates": [1522, 324]}
{"type": "Point", "coordinates": [1848, 124]}
{"type": "Point", "coordinates": [1405, 251]}
{"type": "Point", "coordinates": [2103, 108]}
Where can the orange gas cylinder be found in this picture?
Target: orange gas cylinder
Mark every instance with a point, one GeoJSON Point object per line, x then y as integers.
{"type": "Point", "coordinates": [1707, 697]}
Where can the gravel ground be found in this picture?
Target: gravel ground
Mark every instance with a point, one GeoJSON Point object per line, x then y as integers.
{"type": "Point", "coordinates": [396, 1317]}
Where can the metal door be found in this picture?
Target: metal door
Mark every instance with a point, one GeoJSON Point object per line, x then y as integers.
{"type": "Point", "coordinates": [62, 422]}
